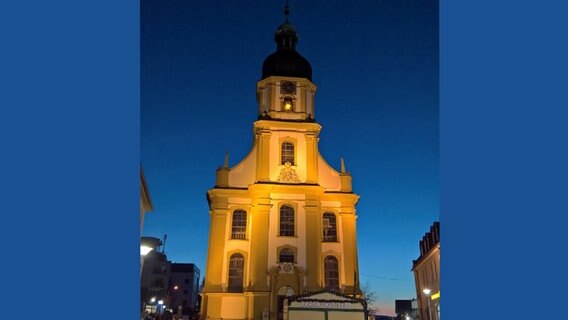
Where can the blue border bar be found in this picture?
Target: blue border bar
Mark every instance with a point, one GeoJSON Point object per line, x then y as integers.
{"type": "Point", "coordinates": [69, 126]}
{"type": "Point", "coordinates": [503, 158]}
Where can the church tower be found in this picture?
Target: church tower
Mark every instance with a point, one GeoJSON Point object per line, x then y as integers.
{"type": "Point", "coordinates": [283, 221]}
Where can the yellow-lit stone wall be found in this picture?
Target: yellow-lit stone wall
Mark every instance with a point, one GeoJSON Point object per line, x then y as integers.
{"type": "Point", "coordinates": [260, 184]}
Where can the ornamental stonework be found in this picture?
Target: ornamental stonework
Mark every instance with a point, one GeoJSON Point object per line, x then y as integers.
{"type": "Point", "coordinates": [288, 174]}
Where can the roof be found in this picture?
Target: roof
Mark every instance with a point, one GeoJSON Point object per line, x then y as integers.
{"type": "Point", "coordinates": [184, 267]}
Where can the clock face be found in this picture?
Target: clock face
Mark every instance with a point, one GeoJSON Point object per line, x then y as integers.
{"type": "Point", "coordinates": [288, 87]}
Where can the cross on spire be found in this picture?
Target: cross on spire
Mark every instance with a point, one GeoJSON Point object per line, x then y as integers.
{"type": "Point", "coordinates": [287, 11]}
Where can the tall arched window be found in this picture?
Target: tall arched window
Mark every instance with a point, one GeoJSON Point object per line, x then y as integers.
{"type": "Point", "coordinates": [236, 272]}
{"type": "Point", "coordinates": [287, 153]}
{"type": "Point", "coordinates": [239, 229]}
{"type": "Point", "coordinates": [331, 272]}
{"type": "Point", "coordinates": [329, 227]}
{"type": "Point", "coordinates": [286, 221]}
{"type": "Point", "coordinates": [286, 255]}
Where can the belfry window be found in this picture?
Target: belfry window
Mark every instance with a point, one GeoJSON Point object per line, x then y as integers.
{"type": "Point", "coordinates": [287, 153]}
{"type": "Point", "coordinates": [329, 227]}
{"type": "Point", "coordinates": [236, 272]}
{"type": "Point", "coordinates": [239, 225]}
{"type": "Point", "coordinates": [286, 255]}
{"type": "Point", "coordinates": [287, 221]}
{"type": "Point", "coordinates": [287, 104]}
{"type": "Point", "coordinates": [331, 272]}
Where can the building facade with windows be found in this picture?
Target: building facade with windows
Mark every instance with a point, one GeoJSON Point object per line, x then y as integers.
{"type": "Point", "coordinates": [282, 220]}
{"type": "Point", "coordinates": [183, 288]}
{"type": "Point", "coordinates": [427, 274]}
{"type": "Point", "coordinates": [155, 276]}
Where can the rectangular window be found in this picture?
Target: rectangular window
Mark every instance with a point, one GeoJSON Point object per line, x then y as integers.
{"type": "Point", "coordinates": [236, 273]}
{"type": "Point", "coordinates": [329, 228]}
{"type": "Point", "coordinates": [331, 273]}
{"type": "Point", "coordinates": [287, 153]}
{"type": "Point", "coordinates": [287, 221]}
{"type": "Point", "coordinates": [239, 225]}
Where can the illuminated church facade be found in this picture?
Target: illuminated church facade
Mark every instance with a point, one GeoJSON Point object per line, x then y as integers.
{"type": "Point", "coordinates": [282, 221]}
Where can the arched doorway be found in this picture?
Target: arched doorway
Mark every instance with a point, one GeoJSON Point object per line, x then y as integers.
{"type": "Point", "coordinates": [282, 294]}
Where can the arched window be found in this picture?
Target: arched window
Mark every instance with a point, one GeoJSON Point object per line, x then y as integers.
{"type": "Point", "coordinates": [286, 221]}
{"type": "Point", "coordinates": [287, 153]}
{"type": "Point", "coordinates": [239, 229]}
{"type": "Point", "coordinates": [331, 272]}
{"type": "Point", "coordinates": [286, 255]}
{"type": "Point", "coordinates": [329, 227]}
{"type": "Point", "coordinates": [236, 272]}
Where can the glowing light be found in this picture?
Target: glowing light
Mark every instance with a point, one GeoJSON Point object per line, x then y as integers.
{"type": "Point", "coordinates": [144, 250]}
{"type": "Point", "coordinates": [426, 291]}
{"type": "Point", "coordinates": [287, 105]}
{"type": "Point", "coordinates": [153, 299]}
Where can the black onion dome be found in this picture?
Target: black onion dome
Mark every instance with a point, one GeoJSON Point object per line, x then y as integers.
{"type": "Point", "coordinates": [286, 61]}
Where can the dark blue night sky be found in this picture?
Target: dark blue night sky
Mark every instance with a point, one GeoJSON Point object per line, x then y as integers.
{"type": "Point", "coordinates": [376, 67]}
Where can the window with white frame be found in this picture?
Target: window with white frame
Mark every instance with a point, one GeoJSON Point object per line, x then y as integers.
{"type": "Point", "coordinates": [329, 227]}
{"type": "Point", "coordinates": [287, 221]}
{"type": "Point", "coordinates": [287, 154]}
{"type": "Point", "coordinates": [239, 226]}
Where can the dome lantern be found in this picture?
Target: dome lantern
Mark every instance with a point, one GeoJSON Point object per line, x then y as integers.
{"type": "Point", "coordinates": [286, 61]}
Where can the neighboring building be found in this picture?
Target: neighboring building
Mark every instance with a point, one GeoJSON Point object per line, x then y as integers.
{"type": "Point", "coordinates": [283, 221]}
{"type": "Point", "coordinates": [155, 276]}
{"type": "Point", "coordinates": [145, 206]}
{"type": "Point", "coordinates": [406, 309]}
{"type": "Point", "coordinates": [145, 200]}
{"type": "Point", "coordinates": [414, 303]}
{"type": "Point", "coordinates": [184, 288]}
{"type": "Point", "coordinates": [427, 274]}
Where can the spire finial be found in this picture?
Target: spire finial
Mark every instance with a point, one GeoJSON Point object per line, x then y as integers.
{"type": "Point", "coordinates": [226, 164]}
{"type": "Point", "coordinates": [287, 11]}
{"type": "Point", "coordinates": [342, 165]}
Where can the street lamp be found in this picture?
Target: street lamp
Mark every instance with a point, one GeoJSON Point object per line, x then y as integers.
{"type": "Point", "coordinates": [145, 249]}
{"type": "Point", "coordinates": [171, 295]}
{"type": "Point", "coordinates": [427, 291]}
{"type": "Point", "coordinates": [150, 302]}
